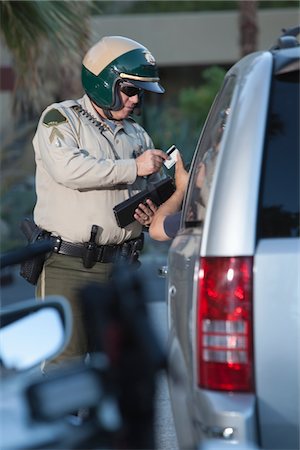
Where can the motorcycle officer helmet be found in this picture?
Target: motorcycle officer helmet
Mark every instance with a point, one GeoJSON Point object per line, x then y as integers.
{"type": "Point", "coordinates": [115, 60]}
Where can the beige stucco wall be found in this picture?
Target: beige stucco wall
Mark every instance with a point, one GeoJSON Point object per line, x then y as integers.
{"type": "Point", "coordinates": [193, 38]}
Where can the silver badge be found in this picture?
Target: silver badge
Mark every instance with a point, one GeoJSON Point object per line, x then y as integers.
{"type": "Point", "coordinates": [57, 142]}
{"type": "Point", "coordinates": [149, 58]}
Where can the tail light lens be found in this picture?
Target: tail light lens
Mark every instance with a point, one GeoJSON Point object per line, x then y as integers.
{"type": "Point", "coordinates": [224, 324]}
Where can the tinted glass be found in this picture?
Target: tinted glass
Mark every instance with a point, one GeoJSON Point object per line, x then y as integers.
{"type": "Point", "coordinates": [204, 163]}
{"type": "Point", "coordinates": [279, 214]}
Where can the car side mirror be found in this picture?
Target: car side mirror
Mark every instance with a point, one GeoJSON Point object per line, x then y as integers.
{"type": "Point", "coordinates": [33, 331]}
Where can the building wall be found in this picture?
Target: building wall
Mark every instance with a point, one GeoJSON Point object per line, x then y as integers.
{"type": "Point", "coordinates": [193, 38]}
{"type": "Point", "coordinates": [178, 40]}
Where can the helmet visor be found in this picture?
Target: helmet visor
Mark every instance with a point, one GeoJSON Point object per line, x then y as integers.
{"type": "Point", "coordinates": [152, 86]}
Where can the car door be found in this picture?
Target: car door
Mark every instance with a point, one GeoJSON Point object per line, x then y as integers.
{"type": "Point", "coordinates": [184, 252]}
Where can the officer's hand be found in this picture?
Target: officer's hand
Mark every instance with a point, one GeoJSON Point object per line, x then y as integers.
{"type": "Point", "coordinates": [150, 162]}
{"type": "Point", "coordinates": [144, 213]}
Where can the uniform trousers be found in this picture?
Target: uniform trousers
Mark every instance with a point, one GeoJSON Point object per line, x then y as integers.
{"type": "Point", "coordinates": [66, 276]}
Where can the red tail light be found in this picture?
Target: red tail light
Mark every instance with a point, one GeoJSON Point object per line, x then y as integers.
{"type": "Point", "coordinates": [224, 327]}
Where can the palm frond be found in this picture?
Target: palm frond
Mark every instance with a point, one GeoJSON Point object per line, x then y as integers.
{"type": "Point", "coordinates": [42, 35]}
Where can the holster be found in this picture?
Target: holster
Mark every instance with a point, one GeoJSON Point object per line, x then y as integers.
{"type": "Point", "coordinates": [130, 252]}
{"type": "Point", "coordinates": [32, 268]}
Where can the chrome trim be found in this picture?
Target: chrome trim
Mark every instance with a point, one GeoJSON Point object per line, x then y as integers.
{"type": "Point", "coordinates": [137, 78]}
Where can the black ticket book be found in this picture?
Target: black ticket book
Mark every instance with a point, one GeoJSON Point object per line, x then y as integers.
{"type": "Point", "coordinates": [158, 192]}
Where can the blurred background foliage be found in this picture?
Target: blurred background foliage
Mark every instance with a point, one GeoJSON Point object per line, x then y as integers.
{"type": "Point", "coordinates": [44, 58]}
{"type": "Point", "coordinates": [179, 120]}
{"type": "Point", "coordinates": [43, 52]}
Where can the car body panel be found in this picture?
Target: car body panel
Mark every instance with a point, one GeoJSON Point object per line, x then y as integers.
{"type": "Point", "coordinates": [268, 417]}
{"type": "Point", "coordinates": [189, 244]}
{"type": "Point", "coordinates": [241, 154]}
{"type": "Point", "coordinates": [181, 285]}
{"type": "Point", "coordinates": [277, 344]}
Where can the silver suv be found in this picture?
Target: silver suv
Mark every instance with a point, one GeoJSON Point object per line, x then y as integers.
{"type": "Point", "coordinates": [233, 269]}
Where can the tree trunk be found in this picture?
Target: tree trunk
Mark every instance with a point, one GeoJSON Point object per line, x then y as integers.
{"type": "Point", "coordinates": [248, 26]}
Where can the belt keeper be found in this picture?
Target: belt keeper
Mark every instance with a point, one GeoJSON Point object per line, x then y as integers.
{"type": "Point", "coordinates": [102, 254]}
{"type": "Point", "coordinates": [57, 244]}
{"type": "Point", "coordinates": [125, 249]}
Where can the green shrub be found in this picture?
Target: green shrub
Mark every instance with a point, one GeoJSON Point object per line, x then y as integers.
{"type": "Point", "coordinates": [180, 122]}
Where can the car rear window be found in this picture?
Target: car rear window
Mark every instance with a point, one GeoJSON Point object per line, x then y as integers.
{"type": "Point", "coordinates": [279, 199]}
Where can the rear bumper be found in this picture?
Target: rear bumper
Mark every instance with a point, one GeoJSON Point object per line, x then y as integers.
{"type": "Point", "coordinates": [209, 420]}
{"type": "Point", "coordinates": [215, 444]}
{"type": "Point", "coordinates": [224, 419]}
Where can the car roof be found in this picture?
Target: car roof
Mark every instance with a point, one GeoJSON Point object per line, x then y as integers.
{"type": "Point", "coordinates": [286, 60]}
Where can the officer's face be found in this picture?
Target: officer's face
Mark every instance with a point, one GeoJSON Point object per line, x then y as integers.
{"type": "Point", "coordinates": [129, 103]}
{"type": "Point", "coordinates": [130, 97]}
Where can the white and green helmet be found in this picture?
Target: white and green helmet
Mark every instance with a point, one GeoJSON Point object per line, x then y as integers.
{"type": "Point", "coordinates": [115, 59]}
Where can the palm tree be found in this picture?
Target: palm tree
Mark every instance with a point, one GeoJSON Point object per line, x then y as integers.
{"type": "Point", "coordinates": [46, 40]}
{"type": "Point", "coordinates": [43, 37]}
{"type": "Point", "coordinates": [248, 26]}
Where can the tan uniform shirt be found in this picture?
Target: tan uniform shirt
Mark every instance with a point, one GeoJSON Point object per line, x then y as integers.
{"type": "Point", "coordinates": [82, 173]}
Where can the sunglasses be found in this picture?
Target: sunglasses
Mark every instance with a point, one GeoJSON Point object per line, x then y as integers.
{"type": "Point", "coordinates": [130, 91]}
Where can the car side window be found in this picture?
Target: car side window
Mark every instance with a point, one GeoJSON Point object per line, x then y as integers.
{"type": "Point", "coordinates": [204, 163]}
{"type": "Point", "coordinates": [280, 202]}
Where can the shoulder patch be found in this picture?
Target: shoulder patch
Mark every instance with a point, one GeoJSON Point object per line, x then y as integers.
{"type": "Point", "coordinates": [53, 117]}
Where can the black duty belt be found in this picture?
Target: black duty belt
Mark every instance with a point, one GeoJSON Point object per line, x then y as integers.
{"type": "Point", "coordinates": [101, 253]}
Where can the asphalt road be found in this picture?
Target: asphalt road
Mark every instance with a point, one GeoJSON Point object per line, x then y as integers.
{"type": "Point", "coordinates": [19, 290]}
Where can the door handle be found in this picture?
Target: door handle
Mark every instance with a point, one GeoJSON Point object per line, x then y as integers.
{"type": "Point", "coordinates": [172, 291]}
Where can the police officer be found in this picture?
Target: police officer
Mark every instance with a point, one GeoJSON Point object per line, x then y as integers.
{"type": "Point", "coordinates": [90, 156]}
